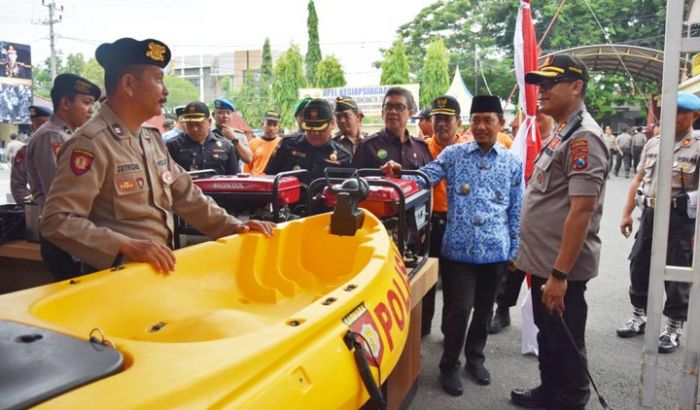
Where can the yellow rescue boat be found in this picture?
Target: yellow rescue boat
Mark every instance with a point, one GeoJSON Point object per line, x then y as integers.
{"type": "Point", "coordinates": [243, 322]}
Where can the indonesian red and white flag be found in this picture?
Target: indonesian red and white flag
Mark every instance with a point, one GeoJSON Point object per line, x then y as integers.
{"type": "Point", "coordinates": [527, 143]}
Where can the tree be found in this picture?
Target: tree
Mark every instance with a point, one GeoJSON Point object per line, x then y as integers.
{"type": "Point", "coordinates": [181, 92]}
{"type": "Point", "coordinates": [266, 69]}
{"type": "Point", "coordinates": [251, 103]}
{"type": "Point", "coordinates": [330, 73]}
{"type": "Point", "coordinates": [395, 65]}
{"type": "Point", "coordinates": [75, 64]}
{"type": "Point", "coordinates": [435, 77]}
{"type": "Point", "coordinates": [313, 49]}
{"type": "Point", "coordinates": [465, 24]}
{"type": "Point", "coordinates": [289, 77]}
{"type": "Point", "coordinates": [93, 71]}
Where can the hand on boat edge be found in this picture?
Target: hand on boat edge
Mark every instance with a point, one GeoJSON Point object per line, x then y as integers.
{"type": "Point", "coordinates": [265, 227]}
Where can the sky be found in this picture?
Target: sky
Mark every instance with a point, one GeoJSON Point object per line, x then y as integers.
{"type": "Point", "coordinates": [353, 31]}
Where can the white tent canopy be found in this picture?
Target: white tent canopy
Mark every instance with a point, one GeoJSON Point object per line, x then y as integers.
{"type": "Point", "coordinates": [460, 91]}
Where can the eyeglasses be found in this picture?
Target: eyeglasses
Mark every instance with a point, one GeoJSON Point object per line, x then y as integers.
{"type": "Point", "coordinates": [395, 107]}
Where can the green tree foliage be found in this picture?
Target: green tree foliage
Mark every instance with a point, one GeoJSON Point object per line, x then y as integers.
{"type": "Point", "coordinates": [434, 77]}
{"type": "Point", "coordinates": [289, 77]}
{"type": "Point", "coordinates": [181, 92]}
{"type": "Point", "coordinates": [330, 73]}
{"type": "Point", "coordinates": [313, 50]}
{"type": "Point", "coordinates": [464, 24]}
{"type": "Point", "coordinates": [94, 72]}
{"type": "Point", "coordinates": [266, 68]}
{"type": "Point", "coordinates": [395, 65]}
{"type": "Point", "coordinates": [251, 104]}
{"type": "Point", "coordinates": [75, 63]}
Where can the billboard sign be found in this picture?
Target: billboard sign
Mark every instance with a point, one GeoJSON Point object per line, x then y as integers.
{"type": "Point", "coordinates": [369, 98]}
{"type": "Point", "coordinates": [15, 82]}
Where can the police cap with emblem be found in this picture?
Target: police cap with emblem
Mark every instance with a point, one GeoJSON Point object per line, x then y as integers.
{"type": "Point", "coordinates": [346, 103]}
{"type": "Point", "coordinates": [271, 115]}
{"type": "Point", "coordinates": [224, 104]}
{"type": "Point", "coordinates": [127, 51]}
{"type": "Point", "coordinates": [36, 111]}
{"type": "Point", "coordinates": [445, 105]}
{"type": "Point", "coordinates": [486, 103]}
{"type": "Point", "coordinates": [559, 68]}
{"type": "Point", "coordinates": [195, 111]}
{"type": "Point", "coordinates": [318, 114]}
{"type": "Point", "coordinates": [69, 84]}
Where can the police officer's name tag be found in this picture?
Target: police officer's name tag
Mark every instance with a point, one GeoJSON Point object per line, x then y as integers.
{"type": "Point", "coordinates": [129, 167]}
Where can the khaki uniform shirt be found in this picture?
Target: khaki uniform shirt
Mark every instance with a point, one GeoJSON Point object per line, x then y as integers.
{"type": "Point", "coordinates": [41, 156]}
{"type": "Point", "coordinates": [18, 177]}
{"type": "Point", "coordinates": [685, 164]}
{"type": "Point", "coordinates": [111, 186]}
{"type": "Point", "coordinates": [575, 167]}
{"type": "Point", "coordinates": [639, 139]}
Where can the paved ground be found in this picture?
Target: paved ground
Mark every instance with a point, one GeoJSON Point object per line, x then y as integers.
{"type": "Point", "coordinates": [614, 362]}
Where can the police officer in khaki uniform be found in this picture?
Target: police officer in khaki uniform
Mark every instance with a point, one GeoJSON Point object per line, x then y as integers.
{"type": "Point", "coordinates": [116, 187]}
{"type": "Point", "coordinates": [73, 98]}
{"type": "Point", "coordinates": [681, 225]}
{"type": "Point", "coordinates": [314, 150]}
{"type": "Point", "coordinates": [19, 183]}
{"type": "Point", "coordinates": [198, 149]}
{"type": "Point", "coordinates": [349, 119]}
{"type": "Point", "coordinates": [559, 242]}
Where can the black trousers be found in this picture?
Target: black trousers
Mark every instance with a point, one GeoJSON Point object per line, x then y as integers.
{"type": "Point", "coordinates": [60, 264]}
{"type": "Point", "coordinates": [438, 223]}
{"type": "Point", "coordinates": [636, 155]}
{"type": "Point", "coordinates": [626, 157]}
{"type": "Point", "coordinates": [509, 288]}
{"type": "Point", "coordinates": [679, 253]}
{"type": "Point", "coordinates": [563, 378]}
{"type": "Point", "coordinates": [466, 286]}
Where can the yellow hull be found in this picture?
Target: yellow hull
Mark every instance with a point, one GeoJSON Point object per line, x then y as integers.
{"type": "Point", "coordinates": [243, 322]}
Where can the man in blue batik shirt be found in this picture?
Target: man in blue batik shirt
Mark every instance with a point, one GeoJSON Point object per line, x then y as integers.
{"type": "Point", "coordinates": [484, 193]}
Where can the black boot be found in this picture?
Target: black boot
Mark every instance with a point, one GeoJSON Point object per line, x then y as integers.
{"type": "Point", "coordinates": [499, 321]}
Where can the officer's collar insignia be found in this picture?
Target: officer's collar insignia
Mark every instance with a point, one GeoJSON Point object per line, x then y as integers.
{"type": "Point", "coordinates": [117, 129]}
{"type": "Point", "coordinates": [442, 102]}
{"type": "Point", "coordinates": [686, 142]}
{"type": "Point", "coordinates": [155, 52]}
{"type": "Point", "coordinates": [561, 127]}
{"type": "Point", "coordinates": [82, 87]}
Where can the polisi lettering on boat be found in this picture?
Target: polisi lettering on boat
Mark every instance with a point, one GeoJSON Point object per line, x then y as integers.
{"type": "Point", "coordinates": [395, 309]}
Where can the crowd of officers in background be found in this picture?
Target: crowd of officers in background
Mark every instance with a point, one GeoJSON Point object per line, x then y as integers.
{"type": "Point", "coordinates": [108, 185]}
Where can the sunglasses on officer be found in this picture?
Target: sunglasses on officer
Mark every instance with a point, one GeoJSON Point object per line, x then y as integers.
{"type": "Point", "coordinates": [394, 107]}
{"type": "Point", "coordinates": [547, 85]}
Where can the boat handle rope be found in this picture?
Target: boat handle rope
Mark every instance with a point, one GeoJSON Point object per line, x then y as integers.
{"type": "Point", "coordinates": [359, 351]}
{"type": "Point", "coordinates": [98, 336]}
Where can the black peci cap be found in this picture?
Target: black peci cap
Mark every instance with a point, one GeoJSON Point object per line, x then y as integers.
{"type": "Point", "coordinates": [127, 51]}
{"type": "Point", "coordinates": [486, 103]}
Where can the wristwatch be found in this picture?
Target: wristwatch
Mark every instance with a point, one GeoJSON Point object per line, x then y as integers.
{"type": "Point", "coordinates": [557, 274]}
{"type": "Point", "coordinates": [234, 140]}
